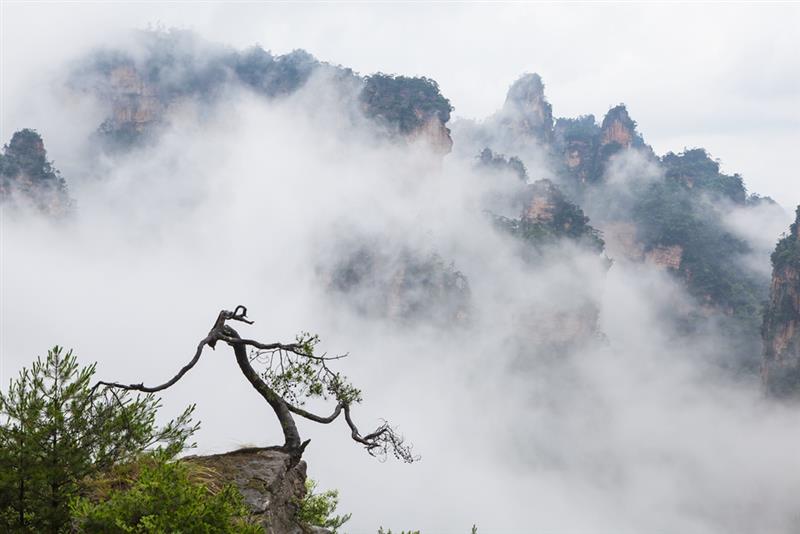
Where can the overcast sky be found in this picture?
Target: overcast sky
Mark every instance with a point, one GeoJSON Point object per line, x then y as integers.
{"type": "Point", "coordinates": [722, 76]}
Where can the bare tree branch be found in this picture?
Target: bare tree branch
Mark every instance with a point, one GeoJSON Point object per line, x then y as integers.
{"type": "Point", "coordinates": [316, 418]}
{"type": "Point", "coordinates": [145, 389]}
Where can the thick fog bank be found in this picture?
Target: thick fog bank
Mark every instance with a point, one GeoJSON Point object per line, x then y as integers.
{"type": "Point", "coordinates": [634, 430]}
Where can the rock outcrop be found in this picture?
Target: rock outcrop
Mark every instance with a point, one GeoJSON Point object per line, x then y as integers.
{"type": "Point", "coordinates": [27, 179]}
{"type": "Point", "coordinates": [585, 149]}
{"type": "Point", "coordinates": [780, 369]}
{"type": "Point", "coordinates": [434, 134]}
{"type": "Point", "coordinates": [405, 286]}
{"type": "Point", "coordinates": [618, 128]}
{"type": "Point", "coordinates": [548, 217]}
{"type": "Point", "coordinates": [271, 483]}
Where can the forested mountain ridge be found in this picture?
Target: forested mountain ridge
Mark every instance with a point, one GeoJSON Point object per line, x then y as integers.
{"type": "Point", "coordinates": [141, 86]}
{"type": "Point", "coordinates": [669, 211]}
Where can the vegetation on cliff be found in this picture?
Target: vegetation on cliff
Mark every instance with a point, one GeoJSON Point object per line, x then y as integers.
{"type": "Point", "coordinates": [157, 494]}
{"type": "Point", "coordinates": [680, 220]}
{"type": "Point", "coordinates": [28, 178]}
{"type": "Point", "coordinates": [669, 212]}
{"type": "Point", "coordinates": [787, 251]}
{"type": "Point", "coordinates": [404, 102]}
{"type": "Point", "coordinates": [695, 169]}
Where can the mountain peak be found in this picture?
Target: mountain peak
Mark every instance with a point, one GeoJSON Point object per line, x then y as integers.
{"type": "Point", "coordinates": [526, 104]}
{"type": "Point", "coordinates": [27, 143]}
{"type": "Point", "coordinates": [528, 87]}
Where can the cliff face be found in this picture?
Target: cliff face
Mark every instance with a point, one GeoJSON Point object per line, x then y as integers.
{"type": "Point", "coordinates": [576, 140]}
{"type": "Point", "coordinates": [135, 103]}
{"type": "Point", "coordinates": [271, 484]}
{"type": "Point", "coordinates": [781, 329]}
{"type": "Point", "coordinates": [28, 179]}
{"type": "Point", "coordinates": [434, 134]}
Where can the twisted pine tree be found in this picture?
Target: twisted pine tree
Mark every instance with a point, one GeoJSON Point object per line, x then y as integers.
{"type": "Point", "coordinates": [292, 374]}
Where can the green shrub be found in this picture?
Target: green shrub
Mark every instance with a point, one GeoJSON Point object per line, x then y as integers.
{"type": "Point", "coordinates": [163, 498]}
{"type": "Point", "coordinates": [317, 509]}
{"type": "Point", "coordinates": [56, 432]}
